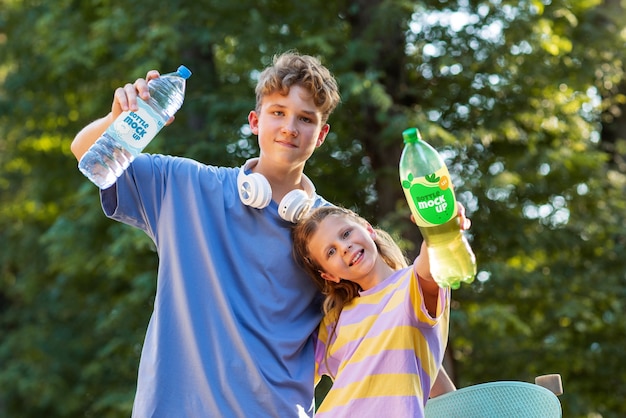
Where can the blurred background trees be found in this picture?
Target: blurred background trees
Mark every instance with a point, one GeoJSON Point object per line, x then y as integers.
{"type": "Point", "coordinates": [526, 100]}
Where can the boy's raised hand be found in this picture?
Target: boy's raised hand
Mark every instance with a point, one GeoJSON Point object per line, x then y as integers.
{"type": "Point", "coordinates": [125, 98]}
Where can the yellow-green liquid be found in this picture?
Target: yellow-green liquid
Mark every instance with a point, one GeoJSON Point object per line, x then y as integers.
{"type": "Point", "coordinates": [452, 260]}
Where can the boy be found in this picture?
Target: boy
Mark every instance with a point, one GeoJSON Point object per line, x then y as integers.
{"type": "Point", "coordinates": [230, 334]}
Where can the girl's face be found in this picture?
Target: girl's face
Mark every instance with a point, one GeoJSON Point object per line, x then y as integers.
{"type": "Point", "coordinates": [345, 249]}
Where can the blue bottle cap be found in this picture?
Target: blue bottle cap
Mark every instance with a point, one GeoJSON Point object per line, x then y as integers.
{"type": "Point", "coordinates": [184, 72]}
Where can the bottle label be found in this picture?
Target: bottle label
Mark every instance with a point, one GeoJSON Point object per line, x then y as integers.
{"type": "Point", "coordinates": [135, 130]}
{"type": "Point", "coordinates": [431, 198]}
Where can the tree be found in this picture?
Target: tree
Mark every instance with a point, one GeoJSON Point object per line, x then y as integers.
{"type": "Point", "coordinates": [523, 99]}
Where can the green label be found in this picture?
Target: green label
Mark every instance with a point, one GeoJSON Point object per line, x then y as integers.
{"type": "Point", "coordinates": [431, 198]}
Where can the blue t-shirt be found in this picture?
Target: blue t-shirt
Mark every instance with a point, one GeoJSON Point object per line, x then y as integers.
{"type": "Point", "coordinates": [230, 334]}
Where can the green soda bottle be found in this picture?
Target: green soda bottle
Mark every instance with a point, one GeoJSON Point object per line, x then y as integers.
{"type": "Point", "coordinates": [426, 183]}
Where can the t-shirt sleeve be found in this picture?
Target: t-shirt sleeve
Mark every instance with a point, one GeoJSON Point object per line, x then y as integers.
{"type": "Point", "coordinates": [417, 302]}
{"type": "Point", "coordinates": [135, 197]}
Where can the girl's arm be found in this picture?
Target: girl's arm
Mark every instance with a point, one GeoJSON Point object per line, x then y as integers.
{"type": "Point", "coordinates": [443, 384]}
{"type": "Point", "coordinates": [430, 289]}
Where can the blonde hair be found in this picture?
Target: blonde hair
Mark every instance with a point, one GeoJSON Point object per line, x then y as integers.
{"type": "Point", "coordinates": [291, 68]}
{"type": "Point", "coordinates": [337, 295]}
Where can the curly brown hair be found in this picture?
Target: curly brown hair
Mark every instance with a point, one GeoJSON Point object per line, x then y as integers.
{"type": "Point", "coordinates": [292, 68]}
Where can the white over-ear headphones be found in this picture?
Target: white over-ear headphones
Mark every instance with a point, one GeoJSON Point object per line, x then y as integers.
{"type": "Point", "coordinates": [255, 191]}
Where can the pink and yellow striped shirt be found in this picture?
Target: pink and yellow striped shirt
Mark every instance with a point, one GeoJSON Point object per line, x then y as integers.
{"type": "Point", "coordinates": [386, 352]}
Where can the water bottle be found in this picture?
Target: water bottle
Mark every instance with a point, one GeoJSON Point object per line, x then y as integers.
{"type": "Point", "coordinates": [131, 131]}
{"type": "Point", "coordinates": [427, 187]}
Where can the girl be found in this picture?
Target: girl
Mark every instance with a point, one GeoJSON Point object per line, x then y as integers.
{"type": "Point", "coordinates": [385, 329]}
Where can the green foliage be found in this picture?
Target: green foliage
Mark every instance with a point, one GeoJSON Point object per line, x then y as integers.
{"type": "Point", "coordinates": [520, 97]}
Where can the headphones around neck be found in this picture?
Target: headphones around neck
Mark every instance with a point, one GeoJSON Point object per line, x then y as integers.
{"type": "Point", "coordinates": [255, 191]}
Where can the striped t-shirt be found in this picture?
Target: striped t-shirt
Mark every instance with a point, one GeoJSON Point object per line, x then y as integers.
{"type": "Point", "coordinates": [386, 352]}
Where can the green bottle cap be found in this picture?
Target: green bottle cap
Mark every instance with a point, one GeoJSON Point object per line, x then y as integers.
{"type": "Point", "coordinates": [411, 136]}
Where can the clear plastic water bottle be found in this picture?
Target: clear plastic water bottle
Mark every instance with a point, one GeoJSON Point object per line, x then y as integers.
{"type": "Point", "coordinates": [426, 183]}
{"type": "Point", "coordinates": [131, 132]}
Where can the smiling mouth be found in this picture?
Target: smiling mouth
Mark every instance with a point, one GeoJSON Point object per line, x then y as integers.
{"type": "Point", "coordinates": [356, 257]}
{"type": "Point", "coordinates": [287, 143]}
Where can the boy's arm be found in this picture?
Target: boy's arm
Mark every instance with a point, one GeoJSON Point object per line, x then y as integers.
{"type": "Point", "coordinates": [89, 134]}
{"type": "Point", "coordinates": [124, 99]}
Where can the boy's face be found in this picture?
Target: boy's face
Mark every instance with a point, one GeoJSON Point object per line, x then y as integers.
{"type": "Point", "coordinates": [289, 127]}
